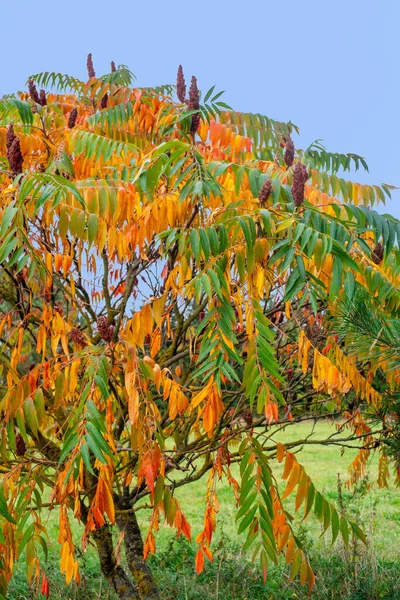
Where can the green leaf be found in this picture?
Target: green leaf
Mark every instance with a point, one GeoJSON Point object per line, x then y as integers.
{"type": "Point", "coordinates": [93, 226]}
{"type": "Point", "coordinates": [287, 260]}
{"type": "Point", "coordinates": [246, 489]}
{"type": "Point", "coordinates": [336, 281]}
{"type": "Point", "coordinates": [195, 243]}
{"type": "Point", "coordinates": [319, 505]}
{"type": "Point", "coordinates": [95, 448]}
{"type": "Point", "coordinates": [24, 109]}
{"type": "Point", "coordinates": [358, 532]}
{"type": "Point", "coordinates": [40, 408]}
{"type": "Point", "coordinates": [346, 258]}
{"type": "Point", "coordinates": [102, 444]}
{"type": "Point", "coordinates": [250, 539]}
{"type": "Point", "coordinates": [86, 458]}
{"type": "Point", "coordinates": [69, 443]}
{"type": "Point", "coordinates": [344, 528]}
{"type": "Point", "coordinates": [206, 285]}
{"type": "Point", "coordinates": [7, 217]}
{"type": "Point", "coordinates": [205, 243]}
{"type": "Point", "coordinates": [4, 507]}
{"type": "Point", "coordinates": [94, 416]}
{"type": "Point", "coordinates": [209, 93]}
{"type": "Point", "coordinates": [8, 245]}
{"type": "Point", "coordinates": [247, 520]}
{"type": "Point", "coordinates": [335, 524]}
{"type": "Point", "coordinates": [30, 415]}
{"type": "Point", "coordinates": [214, 241]}
{"type": "Point", "coordinates": [102, 387]}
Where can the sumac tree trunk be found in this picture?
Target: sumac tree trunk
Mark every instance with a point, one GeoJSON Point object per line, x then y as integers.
{"type": "Point", "coordinates": [127, 522]}
{"type": "Point", "coordinates": [114, 573]}
{"type": "Point", "coordinates": [139, 584]}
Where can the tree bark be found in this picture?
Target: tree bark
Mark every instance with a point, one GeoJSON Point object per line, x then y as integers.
{"type": "Point", "coordinates": [111, 571]}
{"type": "Point", "coordinates": [127, 522]}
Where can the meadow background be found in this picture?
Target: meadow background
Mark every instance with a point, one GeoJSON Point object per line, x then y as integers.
{"type": "Point", "coordinates": [356, 573]}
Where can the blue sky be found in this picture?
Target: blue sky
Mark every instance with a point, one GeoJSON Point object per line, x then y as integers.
{"type": "Point", "coordinates": [330, 67]}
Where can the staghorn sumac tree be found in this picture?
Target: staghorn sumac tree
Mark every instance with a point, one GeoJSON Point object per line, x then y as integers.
{"type": "Point", "coordinates": [169, 272]}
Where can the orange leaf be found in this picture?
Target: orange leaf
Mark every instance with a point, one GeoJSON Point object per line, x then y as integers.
{"type": "Point", "coordinates": [301, 490]}
{"type": "Point", "coordinates": [293, 479]}
{"type": "Point", "coordinates": [108, 503]}
{"type": "Point", "coordinates": [199, 561]}
{"type": "Point", "coordinates": [208, 553]}
{"type": "Point", "coordinates": [303, 570]}
{"type": "Point", "coordinates": [280, 452]}
{"type": "Point", "coordinates": [311, 579]}
{"type": "Point", "coordinates": [291, 548]}
{"type": "Point", "coordinates": [288, 465]}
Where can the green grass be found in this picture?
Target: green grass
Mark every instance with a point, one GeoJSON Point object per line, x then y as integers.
{"type": "Point", "coordinates": [356, 575]}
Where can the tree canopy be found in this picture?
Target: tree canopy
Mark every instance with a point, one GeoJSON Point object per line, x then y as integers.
{"type": "Point", "coordinates": [172, 275]}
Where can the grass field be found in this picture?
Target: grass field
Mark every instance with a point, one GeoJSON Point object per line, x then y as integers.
{"type": "Point", "coordinates": [357, 574]}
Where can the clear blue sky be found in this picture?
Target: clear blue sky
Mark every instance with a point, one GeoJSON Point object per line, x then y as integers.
{"type": "Point", "coordinates": [333, 68]}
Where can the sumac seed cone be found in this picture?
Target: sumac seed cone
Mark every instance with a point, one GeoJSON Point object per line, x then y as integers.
{"type": "Point", "coordinates": [180, 85]}
{"type": "Point", "coordinates": [247, 416]}
{"type": "Point", "coordinates": [42, 97]}
{"type": "Point", "coordinates": [265, 191]}
{"type": "Point", "coordinates": [277, 318]}
{"type": "Point", "coordinates": [105, 329]}
{"type": "Point", "coordinates": [20, 445]}
{"type": "Point", "coordinates": [72, 118]}
{"type": "Point", "coordinates": [77, 336]}
{"type": "Point", "coordinates": [33, 92]}
{"type": "Point", "coordinates": [103, 101]}
{"type": "Point", "coordinates": [10, 137]}
{"type": "Point", "coordinates": [15, 158]}
{"type": "Point", "coordinates": [194, 104]}
{"type": "Point", "coordinates": [113, 67]}
{"type": "Point", "coordinates": [377, 254]}
{"type": "Point", "coordinates": [300, 176]}
{"type": "Point", "coordinates": [289, 153]}
{"type": "Point", "coordinates": [89, 65]}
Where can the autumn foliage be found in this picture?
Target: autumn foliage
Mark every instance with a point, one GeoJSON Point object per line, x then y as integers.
{"type": "Point", "coordinates": [169, 273]}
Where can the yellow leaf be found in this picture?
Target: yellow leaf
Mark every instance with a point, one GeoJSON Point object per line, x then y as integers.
{"type": "Point", "coordinates": [108, 503]}
{"type": "Point", "coordinates": [301, 490]}
{"type": "Point", "coordinates": [288, 465]}
{"type": "Point", "coordinates": [155, 342]}
{"type": "Point", "coordinates": [199, 397]}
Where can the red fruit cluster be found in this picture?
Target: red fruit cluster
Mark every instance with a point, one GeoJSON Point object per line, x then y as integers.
{"type": "Point", "coordinates": [194, 104]}
{"type": "Point", "coordinates": [277, 318]}
{"type": "Point", "coordinates": [377, 254]}
{"type": "Point", "coordinates": [36, 97]}
{"type": "Point", "coordinates": [105, 329]}
{"type": "Point", "coordinates": [103, 101]}
{"type": "Point", "coordinates": [33, 92]}
{"type": "Point", "coordinates": [300, 176]}
{"type": "Point", "coordinates": [77, 336]}
{"type": "Point", "coordinates": [289, 153]}
{"type": "Point", "coordinates": [265, 191]}
{"type": "Point", "coordinates": [247, 416]}
{"type": "Point", "coordinates": [43, 99]}
{"type": "Point", "coordinates": [10, 136]}
{"type": "Point", "coordinates": [89, 65]}
{"type": "Point", "coordinates": [13, 151]}
{"type": "Point", "coordinates": [113, 67]}
{"type": "Point", "coordinates": [20, 445]}
{"type": "Point", "coordinates": [72, 118]}
{"type": "Point", "coordinates": [180, 85]}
